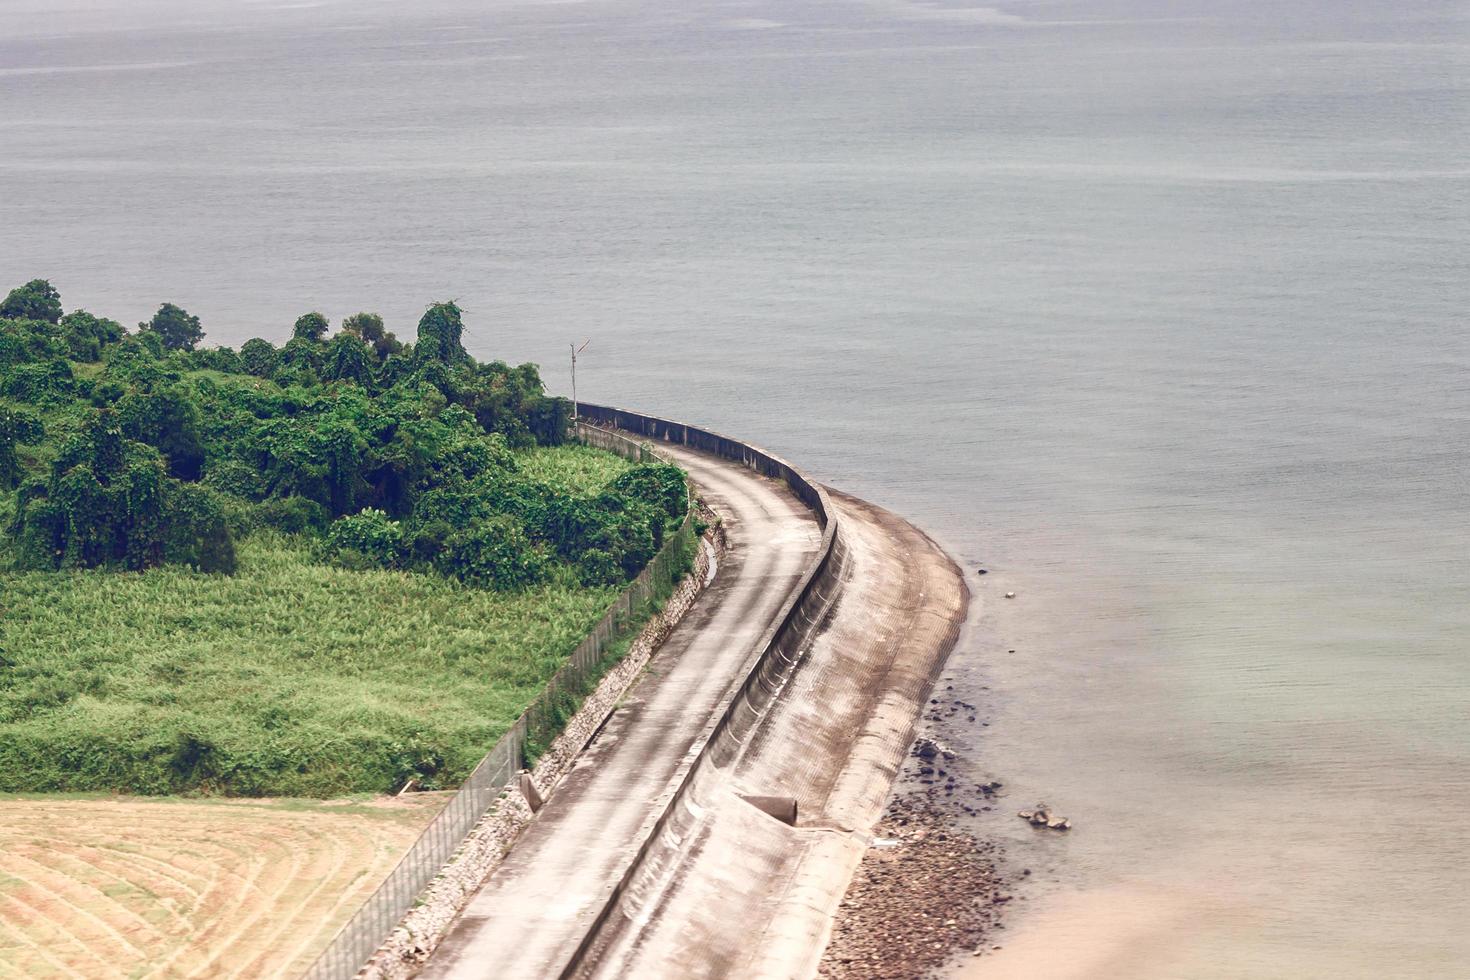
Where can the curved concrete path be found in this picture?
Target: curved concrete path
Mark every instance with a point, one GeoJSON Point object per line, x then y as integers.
{"type": "Point", "coordinates": [532, 912]}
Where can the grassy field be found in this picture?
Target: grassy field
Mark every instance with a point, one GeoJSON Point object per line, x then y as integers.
{"type": "Point", "coordinates": [572, 468]}
{"type": "Point", "coordinates": [174, 888]}
{"type": "Point", "coordinates": [290, 678]}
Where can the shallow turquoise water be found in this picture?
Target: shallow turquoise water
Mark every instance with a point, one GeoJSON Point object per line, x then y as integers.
{"type": "Point", "coordinates": [1158, 310]}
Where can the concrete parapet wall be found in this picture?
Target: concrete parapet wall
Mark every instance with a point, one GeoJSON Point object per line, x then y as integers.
{"type": "Point", "coordinates": [778, 655]}
{"type": "Point", "coordinates": [715, 444]}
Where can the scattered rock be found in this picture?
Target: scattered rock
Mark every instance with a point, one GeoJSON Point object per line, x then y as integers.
{"type": "Point", "coordinates": [1041, 816]}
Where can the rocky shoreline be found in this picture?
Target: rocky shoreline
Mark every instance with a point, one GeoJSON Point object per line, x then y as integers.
{"type": "Point", "coordinates": [927, 890]}
{"type": "Point", "coordinates": [924, 892]}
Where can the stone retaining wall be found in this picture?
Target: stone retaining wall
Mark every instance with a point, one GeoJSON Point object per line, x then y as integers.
{"type": "Point", "coordinates": [421, 931]}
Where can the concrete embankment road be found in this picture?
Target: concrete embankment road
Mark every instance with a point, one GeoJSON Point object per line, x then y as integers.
{"type": "Point", "coordinates": [531, 914]}
{"type": "Point", "coordinates": [737, 893]}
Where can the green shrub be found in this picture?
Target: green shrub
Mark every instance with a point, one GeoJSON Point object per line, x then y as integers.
{"type": "Point", "coordinates": [370, 539]}
{"type": "Point", "coordinates": [18, 425]}
{"type": "Point", "coordinates": [597, 567]}
{"type": "Point", "coordinates": [85, 335]}
{"type": "Point", "coordinates": [196, 532]}
{"type": "Point", "coordinates": [657, 484]}
{"type": "Point", "coordinates": [39, 384]}
{"type": "Point", "coordinates": [221, 359]}
{"type": "Point", "coordinates": [259, 357]}
{"type": "Point", "coordinates": [291, 515]}
{"type": "Point", "coordinates": [494, 554]}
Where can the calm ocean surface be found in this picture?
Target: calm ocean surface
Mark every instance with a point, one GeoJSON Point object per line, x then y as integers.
{"type": "Point", "coordinates": [1157, 309]}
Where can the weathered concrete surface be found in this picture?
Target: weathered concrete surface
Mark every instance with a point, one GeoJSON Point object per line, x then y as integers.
{"type": "Point", "coordinates": [736, 893]}
{"type": "Point", "coordinates": [425, 926]}
{"type": "Point", "coordinates": [533, 911]}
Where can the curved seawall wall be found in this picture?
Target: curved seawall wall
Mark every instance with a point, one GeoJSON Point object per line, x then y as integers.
{"type": "Point", "coordinates": [778, 655]}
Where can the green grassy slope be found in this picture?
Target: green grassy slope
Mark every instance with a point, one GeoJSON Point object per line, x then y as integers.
{"type": "Point", "coordinates": [292, 677]}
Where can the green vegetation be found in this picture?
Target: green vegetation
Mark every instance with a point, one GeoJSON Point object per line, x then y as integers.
{"type": "Point", "coordinates": [309, 570]}
{"type": "Point", "coordinates": [130, 451]}
{"type": "Point", "coordinates": [290, 677]}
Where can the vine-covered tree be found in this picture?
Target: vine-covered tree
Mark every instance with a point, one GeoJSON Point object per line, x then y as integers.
{"type": "Point", "coordinates": [368, 327]}
{"type": "Point", "coordinates": [109, 503]}
{"type": "Point", "coordinates": [259, 357]}
{"type": "Point", "coordinates": [36, 300]}
{"type": "Point", "coordinates": [175, 327]}
{"type": "Point", "coordinates": [441, 336]}
{"type": "Point", "coordinates": [86, 335]}
{"type": "Point", "coordinates": [347, 359]}
{"type": "Point", "coordinates": [310, 326]}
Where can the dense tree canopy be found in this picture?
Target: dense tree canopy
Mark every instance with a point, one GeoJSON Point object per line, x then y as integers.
{"type": "Point", "coordinates": [36, 300]}
{"type": "Point", "coordinates": [174, 327]}
{"type": "Point", "coordinates": [368, 327]}
{"type": "Point", "coordinates": [310, 326]}
{"type": "Point", "coordinates": [128, 450]}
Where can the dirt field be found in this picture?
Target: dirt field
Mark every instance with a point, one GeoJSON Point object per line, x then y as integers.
{"type": "Point", "coordinates": [180, 888]}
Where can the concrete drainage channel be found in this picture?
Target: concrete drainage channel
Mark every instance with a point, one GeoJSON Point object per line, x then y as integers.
{"type": "Point", "coordinates": [414, 940]}
{"type": "Point", "coordinates": [780, 654]}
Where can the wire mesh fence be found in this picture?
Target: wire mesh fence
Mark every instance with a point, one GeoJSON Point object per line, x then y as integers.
{"type": "Point", "coordinates": [357, 941]}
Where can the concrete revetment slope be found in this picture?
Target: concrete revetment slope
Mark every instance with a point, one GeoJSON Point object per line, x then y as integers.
{"type": "Point", "coordinates": [799, 679]}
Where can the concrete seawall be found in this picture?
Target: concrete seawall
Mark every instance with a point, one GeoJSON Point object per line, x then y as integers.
{"type": "Point", "coordinates": [712, 829]}
{"type": "Point", "coordinates": [534, 911]}
{"type": "Point", "coordinates": [779, 654]}
{"type": "Point", "coordinates": [719, 888]}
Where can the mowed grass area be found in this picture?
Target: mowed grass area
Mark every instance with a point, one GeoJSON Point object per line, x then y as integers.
{"type": "Point", "coordinates": [132, 887]}
{"type": "Point", "coordinates": [290, 678]}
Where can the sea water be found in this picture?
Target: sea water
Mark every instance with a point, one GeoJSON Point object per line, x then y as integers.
{"type": "Point", "coordinates": [1155, 310]}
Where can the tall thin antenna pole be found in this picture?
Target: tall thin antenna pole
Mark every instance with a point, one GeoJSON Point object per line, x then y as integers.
{"type": "Point", "coordinates": [575, 351]}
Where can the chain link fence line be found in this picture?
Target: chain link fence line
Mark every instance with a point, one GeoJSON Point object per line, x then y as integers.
{"type": "Point", "coordinates": [369, 927]}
